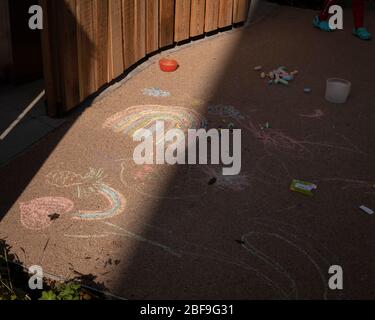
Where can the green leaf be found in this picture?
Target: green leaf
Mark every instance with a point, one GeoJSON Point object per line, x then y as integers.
{"type": "Point", "coordinates": [48, 295]}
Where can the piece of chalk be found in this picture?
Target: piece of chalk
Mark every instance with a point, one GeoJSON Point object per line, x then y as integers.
{"type": "Point", "coordinates": [307, 90]}
{"type": "Point", "coordinates": [258, 68]}
{"type": "Point", "coordinates": [288, 77]}
{"type": "Point", "coordinates": [367, 210]}
{"type": "Point", "coordinates": [262, 75]}
{"type": "Point", "coordinates": [284, 82]}
{"type": "Point", "coordinates": [295, 72]}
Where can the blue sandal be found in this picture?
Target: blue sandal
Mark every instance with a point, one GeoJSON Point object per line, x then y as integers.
{"type": "Point", "coordinates": [362, 34]}
{"type": "Point", "coordinates": [322, 25]}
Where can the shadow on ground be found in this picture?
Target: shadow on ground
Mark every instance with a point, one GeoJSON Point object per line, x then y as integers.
{"type": "Point", "coordinates": [183, 236]}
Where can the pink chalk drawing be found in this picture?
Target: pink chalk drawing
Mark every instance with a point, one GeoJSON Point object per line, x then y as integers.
{"type": "Point", "coordinates": [275, 138]}
{"type": "Point", "coordinates": [35, 214]}
{"type": "Point", "coordinates": [141, 174]}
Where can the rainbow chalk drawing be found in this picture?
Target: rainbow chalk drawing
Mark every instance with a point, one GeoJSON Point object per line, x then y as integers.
{"type": "Point", "coordinates": [90, 183]}
{"type": "Point", "coordinates": [145, 117]}
{"type": "Point", "coordinates": [35, 214]}
{"type": "Point", "coordinates": [116, 207]}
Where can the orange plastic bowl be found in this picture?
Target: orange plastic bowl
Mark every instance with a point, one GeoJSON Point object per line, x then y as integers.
{"type": "Point", "coordinates": [168, 65]}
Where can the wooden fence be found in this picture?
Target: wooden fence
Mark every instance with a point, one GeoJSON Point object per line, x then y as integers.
{"type": "Point", "coordinates": [88, 43]}
{"type": "Point", "coordinates": [5, 41]}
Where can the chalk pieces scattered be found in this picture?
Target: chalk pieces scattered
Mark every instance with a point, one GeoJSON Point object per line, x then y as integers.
{"type": "Point", "coordinates": [267, 125]}
{"type": "Point", "coordinates": [277, 76]}
{"type": "Point", "coordinates": [367, 210]}
{"type": "Point", "coordinates": [288, 77]}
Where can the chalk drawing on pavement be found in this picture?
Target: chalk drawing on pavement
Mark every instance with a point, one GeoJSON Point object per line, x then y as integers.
{"type": "Point", "coordinates": [35, 214]}
{"type": "Point", "coordinates": [144, 117]}
{"type": "Point", "coordinates": [156, 92]}
{"type": "Point", "coordinates": [90, 183]}
{"type": "Point", "coordinates": [86, 184]}
{"type": "Point", "coordinates": [116, 205]}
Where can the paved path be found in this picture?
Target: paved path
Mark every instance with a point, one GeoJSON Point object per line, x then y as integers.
{"type": "Point", "coordinates": [76, 204]}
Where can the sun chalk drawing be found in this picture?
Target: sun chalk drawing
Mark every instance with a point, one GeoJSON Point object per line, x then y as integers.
{"type": "Point", "coordinates": [86, 184]}
{"type": "Point", "coordinates": [35, 214]}
{"type": "Point", "coordinates": [90, 183]}
{"type": "Point", "coordinates": [156, 92]}
{"type": "Point", "coordinates": [144, 117]}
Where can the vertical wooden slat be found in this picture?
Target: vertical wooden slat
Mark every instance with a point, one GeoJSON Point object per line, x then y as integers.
{"type": "Point", "coordinates": [198, 10]}
{"type": "Point", "coordinates": [140, 29]}
{"type": "Point", "coordinates": [134, 28]}
{"type": "Point", "coordinates": [212, 15]}
{"type": "Point", "coordinates": [101, 42]}
{"type": "Point", "coordinates": [241, 10]}
{"type": "Point", "coordinates": [152, 26]}
{"type": "Point", "coordinates": [116, 56]}
{"type": "Point", "coordinates": [51, 68]}
{"type": "Point", "coordinates": [182, 20]}
{"type": "Point", "coordinates": [5, 39]}
{"type": "Point", "coordinates": [225, 13]}
{"type": "Point", "coordinates": [166, 22]}
{"type": "Point", "coordinates": [128, 10]}
{"type": "Point", "coordinates": [67, 39]}
{"type": "Point", "coordinates": [86, 48]}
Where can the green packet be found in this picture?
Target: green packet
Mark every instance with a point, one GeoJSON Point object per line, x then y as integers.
{"type": "Point", "coordinates": [303, 187]}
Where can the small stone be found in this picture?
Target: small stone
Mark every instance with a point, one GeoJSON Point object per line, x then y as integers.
{"type": "Point", "coordinates": [54, 216]}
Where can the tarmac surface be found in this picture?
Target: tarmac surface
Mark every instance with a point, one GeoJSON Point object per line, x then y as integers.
{"type": "Point", "coordinates": [77, 205]}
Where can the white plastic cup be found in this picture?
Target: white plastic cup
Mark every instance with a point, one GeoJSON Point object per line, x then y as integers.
{"type": "Point", "coordinates": [338, 90]}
